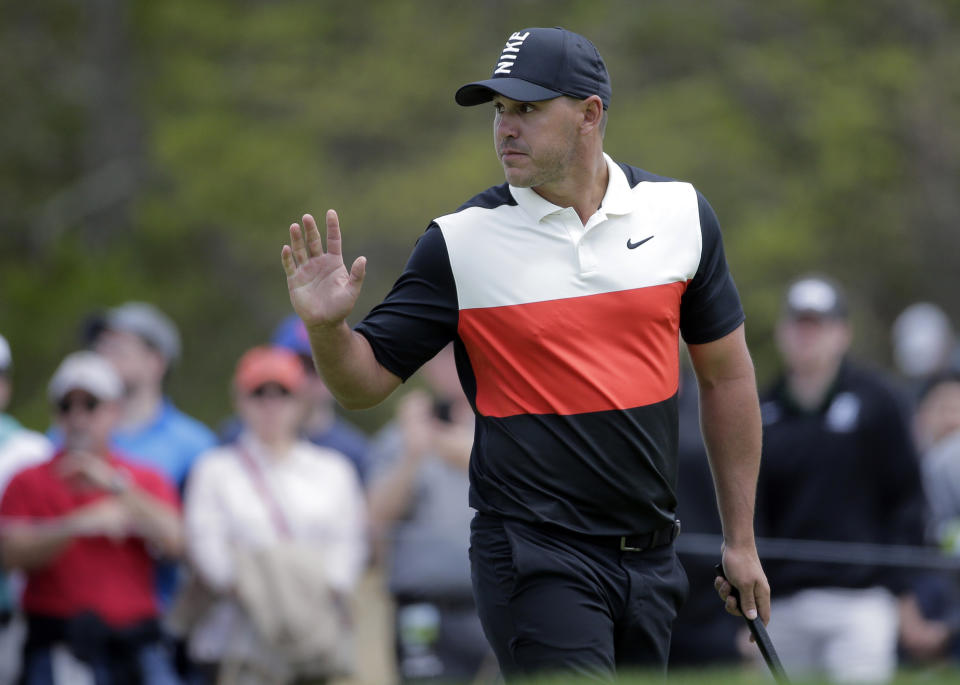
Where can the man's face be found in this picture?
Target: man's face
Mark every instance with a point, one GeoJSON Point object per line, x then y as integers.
{"type": "Point", "coordinates": [812, 342]}
{"type": "Point", "coordinates": [137, 363]}
{"type": "Point", "coordinates": [535, 142]}
{"type": "Point", "coordinates": [86, 421]}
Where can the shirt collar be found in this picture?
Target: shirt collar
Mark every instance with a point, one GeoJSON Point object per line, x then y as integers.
{"type": "Point", "coordinates": [617, 200]}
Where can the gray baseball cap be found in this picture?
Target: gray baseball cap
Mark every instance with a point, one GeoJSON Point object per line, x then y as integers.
{"type": "Point", "coordinates": [148, 322]}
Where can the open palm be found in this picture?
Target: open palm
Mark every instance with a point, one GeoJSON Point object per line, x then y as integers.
{"type": "Point", "coordinates": [322, 291]}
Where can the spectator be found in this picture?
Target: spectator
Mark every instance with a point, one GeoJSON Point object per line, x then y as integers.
{"type": "Point", "coordinates": [81, 526]}
{"type": "Point", "coordinates": [143, 344]}
{"type": "Point", "coordinates": [703, 635]}
{"type": "Point", "coordinates": [938, 433]}
{"type": "Point", "coordinates": [838, 465]}
{"type": "Point", "coordinates": [418, 507]}
{"type": "Point", "coordinates": [19, 448]}
{"type": "Point", "coordinates": [267, 492]}
{"type": "Point", "coordinates": [322, 425]}
{"type": "Point", "coordinates": [931, 624]}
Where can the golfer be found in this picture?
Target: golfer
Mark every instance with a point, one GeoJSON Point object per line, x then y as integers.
{"type": "Point", "coordinates": [565, 291]}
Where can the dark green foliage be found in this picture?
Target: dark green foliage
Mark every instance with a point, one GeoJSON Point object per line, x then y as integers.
{"type": "Point", "coordinates": [159, 150]}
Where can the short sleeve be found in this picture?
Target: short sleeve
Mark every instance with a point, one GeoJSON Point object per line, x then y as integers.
{"type": "Point", "coordinates": [17, 499]}
{"type": "Point", "coordinates": [419, 316]}
{"type": "Point", "coordinates": [710, 307]}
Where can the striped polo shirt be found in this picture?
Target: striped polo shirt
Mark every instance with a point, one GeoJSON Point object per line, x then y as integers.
{"type": "Point", "coordinates": [567, 342]}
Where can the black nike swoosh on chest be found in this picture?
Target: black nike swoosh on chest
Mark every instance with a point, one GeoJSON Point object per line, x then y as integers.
{"type": "Point", "coordinates": [633, 246]}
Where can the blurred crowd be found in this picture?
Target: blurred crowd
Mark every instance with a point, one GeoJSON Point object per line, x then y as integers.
{"type": "Point", "coordinates": [140, 546]}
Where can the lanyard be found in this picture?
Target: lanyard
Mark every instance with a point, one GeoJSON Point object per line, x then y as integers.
{"type": "Point", "coordinates": [263, 489]}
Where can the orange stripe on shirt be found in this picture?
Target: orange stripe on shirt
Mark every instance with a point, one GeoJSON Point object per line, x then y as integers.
{"type": "Point", "coordinates": [614, 350]}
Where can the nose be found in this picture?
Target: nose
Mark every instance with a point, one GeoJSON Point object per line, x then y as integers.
{"type": "Point", "coordinates": [504, 126]}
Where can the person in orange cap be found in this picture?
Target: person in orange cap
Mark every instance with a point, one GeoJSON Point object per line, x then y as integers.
{"type": "Point", "coordinates": [268, 489]}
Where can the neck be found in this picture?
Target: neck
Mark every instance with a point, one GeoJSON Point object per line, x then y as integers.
{"type": "Point", "coordinates": [583, 188]}
{"type": "Point", "coordinates": [140, 406]}
{"type": "Point", "coordinates": [809, 386]}
{"type": "Point", "coordinates": [276, 447]}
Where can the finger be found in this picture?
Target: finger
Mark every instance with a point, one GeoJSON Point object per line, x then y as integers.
{"type": "Point", "coordinates": [358, 270]}
{"type": "Point", "coordinates": [731, 606]}
{"type": "Point", "coordinates": [333, 233]}
{"type": "Point", "coordinates": [722, 587]}
{"type": "Point", "coordinates": [297, 245]}
{"type": "Point", "coordinates": [286, 258]}
{"type": "Point", "coordinates": [312, 236]}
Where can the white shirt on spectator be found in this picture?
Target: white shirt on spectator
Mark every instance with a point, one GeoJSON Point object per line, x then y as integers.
{"type": "Point", "coordinates": [319, 495]}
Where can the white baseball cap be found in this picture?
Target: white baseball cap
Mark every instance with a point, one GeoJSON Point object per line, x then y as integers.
{"type": "Point", "coordinates": [815, 296]}
{"type": "Point", "coordinates": [86, 371]}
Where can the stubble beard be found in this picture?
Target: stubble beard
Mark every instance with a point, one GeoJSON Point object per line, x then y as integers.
{"type": "Point", "coordinates": [547, 167]}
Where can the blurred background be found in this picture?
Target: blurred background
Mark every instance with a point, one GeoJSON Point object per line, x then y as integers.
{"type": "Point", "coordinates": [158, 151]}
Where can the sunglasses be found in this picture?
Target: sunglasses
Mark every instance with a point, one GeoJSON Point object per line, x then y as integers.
{"type": "Point", "coordinates": [269, 390]}
{"type": "Point", "coordinates": [66, 405]}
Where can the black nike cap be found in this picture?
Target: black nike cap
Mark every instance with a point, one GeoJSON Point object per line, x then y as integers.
{"type": "Point", "coordinates": [542, 64]}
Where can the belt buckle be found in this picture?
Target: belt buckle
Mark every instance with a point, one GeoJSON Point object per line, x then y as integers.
{"type": "Point", "coordinates": [624, 547]}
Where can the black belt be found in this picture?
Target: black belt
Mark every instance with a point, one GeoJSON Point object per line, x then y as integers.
{"type": "Point", "coordinates": [640, 542]}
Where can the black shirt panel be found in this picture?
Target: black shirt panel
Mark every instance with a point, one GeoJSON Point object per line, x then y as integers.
{"type": "Point", "coordinates": [601, 473]}
{"type": "Point", "coordinates": [710, 308]}
{"type": "Point", "coordinates": [421, 310]}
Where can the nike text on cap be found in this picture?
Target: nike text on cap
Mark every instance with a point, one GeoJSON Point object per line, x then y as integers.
{"type": "Point", "coordinates": [541, 64]}
{"type": "Point", "coordinates": [815, 296]}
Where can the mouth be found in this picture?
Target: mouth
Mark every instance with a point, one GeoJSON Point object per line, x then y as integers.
{"type": "Point", "coordinates": [506, 155]}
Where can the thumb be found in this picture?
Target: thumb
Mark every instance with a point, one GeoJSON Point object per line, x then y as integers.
{"type": "Point", "coordinates": [358, 271]}
{"type": "Point", "coordinates": [748, 603]}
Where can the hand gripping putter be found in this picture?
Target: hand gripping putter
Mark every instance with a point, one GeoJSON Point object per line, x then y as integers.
{"type": "Point", "coordinates": [759, 632]}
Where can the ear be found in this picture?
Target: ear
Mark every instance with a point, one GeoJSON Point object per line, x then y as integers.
{"type": "Point", "coordinates": [592, 113]}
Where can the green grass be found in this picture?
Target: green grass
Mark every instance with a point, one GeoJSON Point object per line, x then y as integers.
{"type": "Point", "coordinates": [932, 676]}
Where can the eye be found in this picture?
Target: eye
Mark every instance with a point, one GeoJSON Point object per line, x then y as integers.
{"type": "Point", "coordinates": [527, 107]}
{"type": "Point", "coordinates": [498, 108]}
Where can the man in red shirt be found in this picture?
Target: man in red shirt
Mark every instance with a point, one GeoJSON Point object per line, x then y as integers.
{"type": "Point", "coordinates": [84, 528]}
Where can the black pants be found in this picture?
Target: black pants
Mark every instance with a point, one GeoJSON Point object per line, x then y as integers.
{"type": "Point", "coordinates": [553, 603]}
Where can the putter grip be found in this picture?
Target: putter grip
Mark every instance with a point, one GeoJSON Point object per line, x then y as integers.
{"type": "Point", "coordinates": [759, 633]}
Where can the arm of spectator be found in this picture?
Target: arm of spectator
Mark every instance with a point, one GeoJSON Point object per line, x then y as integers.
{"type": "Point", "coordinates": [391, 493]}
{"type": "Point", "coordinates": [33, 544]}
{"type": "Point", "coordinates": [153, 515]}
{"type": "Point", "coordinates": [207, 526]}
{"type": "Point", "coordinates": [155, 520]}
{"type": "Point", "coordinates": [922, 638]}
{"type": "Point", "coordinates": [730, 420]}
{"type": "Point", "coordinates": [454, 442]}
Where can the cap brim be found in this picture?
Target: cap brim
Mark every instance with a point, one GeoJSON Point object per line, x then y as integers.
{"type": "Point", "coordinates": [514, 88]}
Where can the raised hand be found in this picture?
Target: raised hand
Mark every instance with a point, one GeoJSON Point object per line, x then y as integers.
{"type": "Point", "coordinates": [322, 291]}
